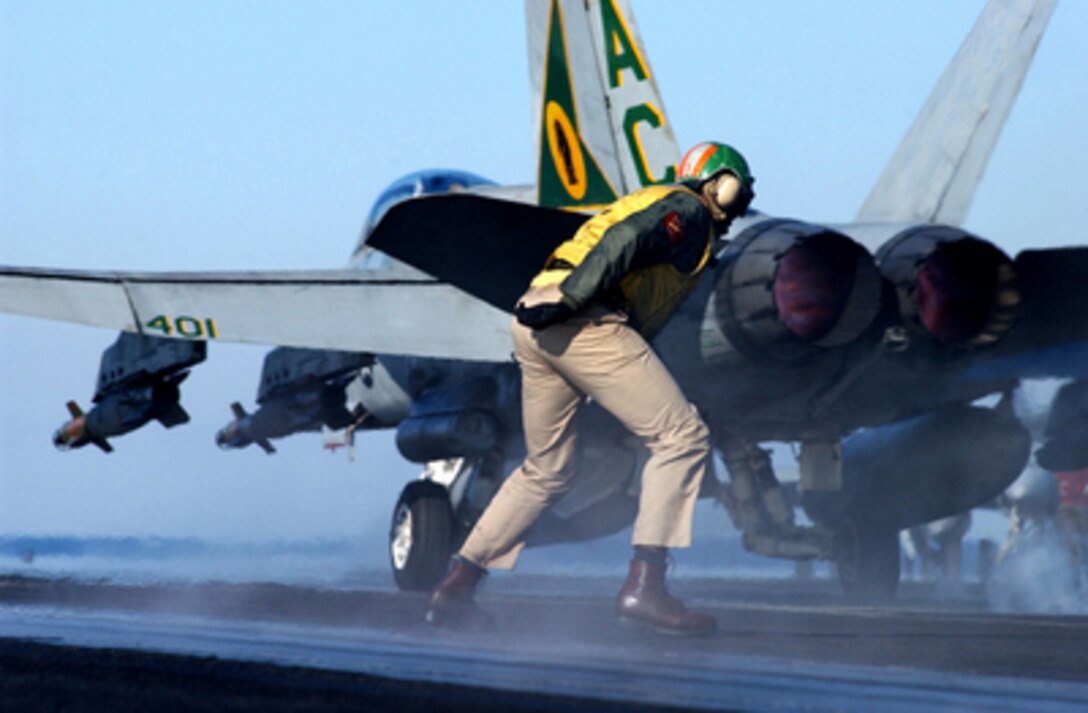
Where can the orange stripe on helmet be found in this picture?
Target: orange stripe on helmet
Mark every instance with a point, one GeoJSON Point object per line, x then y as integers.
{"type": "Point", "coordinates": [695, 159]}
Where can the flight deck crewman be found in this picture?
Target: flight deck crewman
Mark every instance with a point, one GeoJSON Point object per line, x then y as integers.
{"type": "Point", "coordinates": [1065, 454]}
{"type": "Point", "coordinates": [581, 331]}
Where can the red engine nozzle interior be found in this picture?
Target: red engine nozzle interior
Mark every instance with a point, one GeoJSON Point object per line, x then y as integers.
{"type": "Point", "coordinates": [812, 286]}
{"type": "Point", "coordinates": [955, 290]}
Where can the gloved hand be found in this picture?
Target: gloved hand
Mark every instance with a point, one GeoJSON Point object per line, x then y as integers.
{"type": "Point", "coordinates": [543, 315]}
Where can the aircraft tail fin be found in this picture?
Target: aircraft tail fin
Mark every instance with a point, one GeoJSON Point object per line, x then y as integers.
{"type": "Point", "coordinates": [933, 174]}
{"type": "Point", "coordinates": [602, 125]}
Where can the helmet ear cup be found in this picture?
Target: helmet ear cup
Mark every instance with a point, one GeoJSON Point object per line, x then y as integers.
{"type": "Point", "coordinates": [726, 190]}
{"type": "Point", "coordinates": [730, 194]}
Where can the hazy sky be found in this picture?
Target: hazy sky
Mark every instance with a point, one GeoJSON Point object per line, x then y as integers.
{"type": "Point", "coordinates": [234, 135]}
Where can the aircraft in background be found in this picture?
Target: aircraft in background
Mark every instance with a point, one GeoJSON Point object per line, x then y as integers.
{"type": "Point", "coordinates": [799, 334]}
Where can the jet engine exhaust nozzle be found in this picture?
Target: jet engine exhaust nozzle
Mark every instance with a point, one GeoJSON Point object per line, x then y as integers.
{"type": "Point", "coordinates": [813, 286]}
{"type": "Point", "coordinates": [953, 289]}
{"type": "Point", "coordinates": [790, 289]}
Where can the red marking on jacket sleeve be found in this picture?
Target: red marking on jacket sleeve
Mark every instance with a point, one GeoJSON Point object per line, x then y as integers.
{"type": "Point", "coordinates": [674, 227]}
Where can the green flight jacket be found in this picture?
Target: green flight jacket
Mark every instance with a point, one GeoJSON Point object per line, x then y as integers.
{"type": "Point", "coordinates": [642, 255]}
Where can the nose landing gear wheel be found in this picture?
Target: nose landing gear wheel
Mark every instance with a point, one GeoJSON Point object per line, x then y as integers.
{"type": "Point", "coordinates": [421, 536]}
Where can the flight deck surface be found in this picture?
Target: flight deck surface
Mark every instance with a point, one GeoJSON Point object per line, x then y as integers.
{"type": "Point", "coordinates": [783, 645]}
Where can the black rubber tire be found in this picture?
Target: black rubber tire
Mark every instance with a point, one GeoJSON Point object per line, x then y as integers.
{"type": "Point", "coordinates": [419, 562]}
{"type": "Point", "coordinates": [868, 562]}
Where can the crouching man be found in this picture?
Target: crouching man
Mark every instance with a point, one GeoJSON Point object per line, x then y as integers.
{"type": "Point", "coordinates": [582, 330]}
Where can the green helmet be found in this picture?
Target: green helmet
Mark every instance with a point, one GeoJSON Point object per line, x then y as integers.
{"type": "Point", "coordinates": [706, 160]}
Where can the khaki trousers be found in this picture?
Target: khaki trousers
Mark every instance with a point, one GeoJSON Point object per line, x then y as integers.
{"type": "Point", "coordinates": [594, 354]}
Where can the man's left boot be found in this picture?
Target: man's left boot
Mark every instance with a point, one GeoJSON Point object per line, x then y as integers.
{"type": "Point", "coordinates": [453, 601]}
{"type": "Point", "coordinates": [645, 600]}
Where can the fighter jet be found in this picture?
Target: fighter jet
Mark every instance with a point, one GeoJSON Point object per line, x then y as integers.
{"type": "Point", "coordinates": [871, 362]}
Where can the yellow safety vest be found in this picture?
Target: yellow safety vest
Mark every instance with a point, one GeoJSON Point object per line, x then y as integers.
{"type": "Point", "coordinates": [650, 294]}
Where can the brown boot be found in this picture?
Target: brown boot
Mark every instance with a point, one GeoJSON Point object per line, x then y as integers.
{"type": "Point", "coordinates": [452, 603]}
{"type": "Point", "coordinates": [645, 600]}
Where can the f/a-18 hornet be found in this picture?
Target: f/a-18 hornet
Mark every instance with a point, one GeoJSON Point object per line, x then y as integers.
{"type": "Point", "coordinates": [867, 344]}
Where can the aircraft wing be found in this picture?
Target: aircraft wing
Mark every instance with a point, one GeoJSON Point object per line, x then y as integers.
{"type": "Point", "coordinates": [489, 248]}
{"type": "Point", "coordinates": [1050, 336]}
{"type": "Point", "coordinates": [334, 309]}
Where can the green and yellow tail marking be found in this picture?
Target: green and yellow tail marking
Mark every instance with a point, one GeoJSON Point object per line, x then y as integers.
{"type": "Point", "coordinates": [621, 51]}
{"type": "Point", "coordinates": [569, 176]}
{"type": "Point", "coordinates": [622, 54]}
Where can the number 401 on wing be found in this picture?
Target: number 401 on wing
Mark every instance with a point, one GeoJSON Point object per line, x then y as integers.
{"type": "Point", "coordinates": [184, 326]}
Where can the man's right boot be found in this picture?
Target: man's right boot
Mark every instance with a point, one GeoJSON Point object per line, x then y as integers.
{"type": "Point", "coordinates": [453, 604]}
